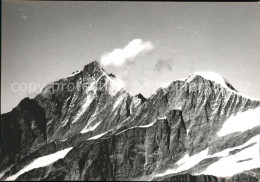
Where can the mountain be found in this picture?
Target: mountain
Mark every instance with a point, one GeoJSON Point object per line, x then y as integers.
{"type": "Point", "coordinates": [87, 127]}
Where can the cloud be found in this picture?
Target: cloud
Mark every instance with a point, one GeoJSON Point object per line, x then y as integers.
{"type": "Point", "coordinates": [163, 65]}
{"type": "Point", "coordinates": [120, 56]}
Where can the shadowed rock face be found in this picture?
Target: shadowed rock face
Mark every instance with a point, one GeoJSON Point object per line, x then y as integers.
{"type": "Point", "coordinates": [191, 178]}
{"type": "Point", "coordinates": [116, 136]}
{"type": "Point", "coordinates": [23, 130]}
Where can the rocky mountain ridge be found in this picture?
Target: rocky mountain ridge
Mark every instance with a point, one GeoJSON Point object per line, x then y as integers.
{"type": "Point", "coordinates": [179, 133]}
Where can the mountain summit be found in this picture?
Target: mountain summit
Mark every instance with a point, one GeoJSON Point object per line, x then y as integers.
{"type": "Point", "coordinates": [87, 127]}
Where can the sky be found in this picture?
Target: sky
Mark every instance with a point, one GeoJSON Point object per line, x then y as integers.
{"type": "Point", "coordinates": [45, 41]}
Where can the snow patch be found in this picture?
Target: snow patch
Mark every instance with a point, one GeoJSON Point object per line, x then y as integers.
{"type": "Point", "coordinates": [4, 171]}
{"type": "Point", "coordinates": [186, 163]}
{"type": "Point", "coordinates": [227, 166]}
{"type": "Point", "coordinates": [136, 101]}
{"type": "Point", "coordinates": [142, 126]}
{"type": "Point", "coordinates": [241, 122]}
{"type": "Point", "coordinates": [41, 162]}
{"type": "Point", "coordinates": [188, 130]}
{"type": "Point", "coordinates": [91, 128]}
{"type": "Point", "coordinates": [90, 97]}
{"type": "Point", "coordinates": [64, 122]}
{"type": "Point", "coordinates": [181, 79]}
{"type": "Point", "coordinates": [118, 101]}
{"type": "Point", "coordinates": [147, 126]}
{"type": "Point", "coordinates": [84, 107]}
{"type": "Point", "coordinates": [126, 130]}
{"type": "Point", "coordinates": [98, 136]}
{"type": "Point", "coordinates": [162, 117]}
{"type": "Point", "coordinates": [165, 85]}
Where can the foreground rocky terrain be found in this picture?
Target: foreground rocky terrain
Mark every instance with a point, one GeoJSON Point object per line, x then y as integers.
{"type": "Point", "coordinates": [196, 129]}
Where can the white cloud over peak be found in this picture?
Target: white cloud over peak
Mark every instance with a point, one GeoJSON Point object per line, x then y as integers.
{"type": "Point", "coordinates": [120, 56]}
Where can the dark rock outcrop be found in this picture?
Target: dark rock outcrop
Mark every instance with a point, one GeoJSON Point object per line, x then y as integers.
{"type": "Point", "coordinates": [23, 131]}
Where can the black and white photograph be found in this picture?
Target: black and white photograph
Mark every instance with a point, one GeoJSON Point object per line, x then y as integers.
{"type": "Point", "coordinates": [130, 91]}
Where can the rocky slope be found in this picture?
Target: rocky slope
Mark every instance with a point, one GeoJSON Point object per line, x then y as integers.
{"type": "Point", "coordinates": [87, 127]}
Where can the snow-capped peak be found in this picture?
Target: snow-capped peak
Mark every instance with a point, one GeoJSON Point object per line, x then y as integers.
{"type": "Point", "coordinates": [217, 78]}
{"type": "Point", "coordinates": [209, 75]}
